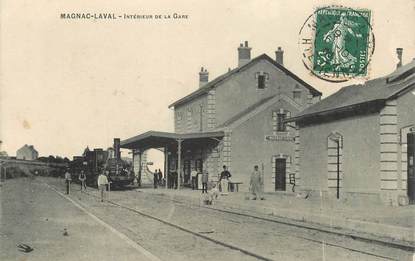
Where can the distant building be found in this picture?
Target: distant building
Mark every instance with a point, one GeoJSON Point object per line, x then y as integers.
{"type": "Point", "coordinates": [27, 152]}
{"type": "Point", "coordinates": [3, 154]}
{"type": "Point", "coordinates": [359, 143]}
{"type": "Point", "coordinates": [237, 120]}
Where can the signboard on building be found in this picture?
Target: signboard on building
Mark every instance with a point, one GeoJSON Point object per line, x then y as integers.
{"type": "Point", "coordinates": [282, 137]}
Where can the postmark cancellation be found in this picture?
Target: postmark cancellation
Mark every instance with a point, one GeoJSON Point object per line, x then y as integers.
{"type": "Point", "coordinates": [337, 43]}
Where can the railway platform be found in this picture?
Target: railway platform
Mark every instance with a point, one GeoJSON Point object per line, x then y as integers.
{"type": "Point", "coordinates": [373, 221]}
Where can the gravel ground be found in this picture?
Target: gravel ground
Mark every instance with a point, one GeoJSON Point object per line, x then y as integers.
{"type": "Point", "coordinates": [275, 241]}
{"type": "Point", "coordinates": [34, 215]}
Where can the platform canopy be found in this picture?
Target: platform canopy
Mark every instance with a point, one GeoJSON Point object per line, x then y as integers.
{"type": "Point", "coordinates": [158, 139]}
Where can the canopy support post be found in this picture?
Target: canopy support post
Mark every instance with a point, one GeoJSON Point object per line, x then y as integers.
{"type": "Point", "coordinates": [179, 161]}
{"type": "Point", "coordinates": [166, 176]}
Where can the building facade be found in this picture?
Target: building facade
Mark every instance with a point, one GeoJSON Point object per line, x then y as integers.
{"type": "Point", "coordinates": [27, 152]}
{"type": "Point", "coordinates": [358, 142]}
{"type": "Point", "coordinates": [237, 120]}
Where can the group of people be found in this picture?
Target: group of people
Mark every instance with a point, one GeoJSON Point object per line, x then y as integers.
{"type": "Point", "coordinates": [158, 178]}
{"type": "Point", "coordinates": [223, 180]}
{"type": "Point", "coordinates": [209, 196]}
{"type": "Point", "coordinates": [102, 182]}
{"type": "Point", "coordinates": [81, 178]}
{"type": "Point", "coordinates": [172, 179]}
{"type": "Point", "coordinates": [255, 184]}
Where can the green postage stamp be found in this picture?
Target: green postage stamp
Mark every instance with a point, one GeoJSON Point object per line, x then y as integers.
{"type": "Point", "coordinates": [337, 43]}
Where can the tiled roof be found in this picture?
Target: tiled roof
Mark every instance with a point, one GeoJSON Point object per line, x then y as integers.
{"type": "Point", "coordinates": [380, 89]}
{"type": "Point", "coordinates": [210, 85]}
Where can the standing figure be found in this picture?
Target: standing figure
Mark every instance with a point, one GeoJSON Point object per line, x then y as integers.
{"type": "Point", "coordinates": [193, 174]}
{"type": "Point", "coordinates": [82, 179]}
{"type": "Point", "coordinates": [160, 177]}
{"type": "Point", "coordinates": [169, 177]}
{"type": "Point", "coordinates": [102, 184]}
{"type": "Point", "coordinates": [68, 180]}
{"type": "Point", "coordinates": [205, 179]}
{"type": "Point", "coordinates": [255, 184]}
{"type": "Point", "coordinates": [175, 179]}
{"type": "Point", "coordinates": [224, 179]}
{"type": "Point", "coordinates": [155, 178]}
{"type": "Point", "coordinates": [139, 178]}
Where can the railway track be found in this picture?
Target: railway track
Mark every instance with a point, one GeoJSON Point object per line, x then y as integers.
{"type": "Point", "coordinates": [316, 240]}
{"type": "Point", "coordinates": [353, 236]}
{"type": "Point", "coordinates": [248, 252]}
{"type": "Point", "coordinates": [189, 231]}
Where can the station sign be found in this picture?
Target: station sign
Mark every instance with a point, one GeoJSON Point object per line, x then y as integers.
{"type": "Point", "coordinates": [279, 138]}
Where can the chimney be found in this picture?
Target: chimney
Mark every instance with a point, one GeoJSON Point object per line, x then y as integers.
{"type": "Point", "coordinates": [117, 152]}
{"type": "Point", "coordinates": [244, 54]}
{"type": "Point", "coordinates": [399, 52]}
{"type": "Point", "coordinates": [203, 77]}
{"type": "Point", "coordinates": [279, 55]}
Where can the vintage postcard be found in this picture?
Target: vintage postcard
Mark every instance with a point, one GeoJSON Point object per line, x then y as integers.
{"type": "Point", "coordinates": [207, 130]}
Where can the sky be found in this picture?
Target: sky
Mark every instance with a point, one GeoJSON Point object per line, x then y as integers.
{"type": "Point", "coordinates": [68, 84]}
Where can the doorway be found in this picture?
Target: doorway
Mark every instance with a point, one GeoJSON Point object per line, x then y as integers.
{"type": "Point", "coordinates": [411, 167]}
{"type": "Point", "coordinates": [280, 174]}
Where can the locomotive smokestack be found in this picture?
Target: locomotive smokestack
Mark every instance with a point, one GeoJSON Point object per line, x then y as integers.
{"type": "Point", "coordinates": [117, 153]}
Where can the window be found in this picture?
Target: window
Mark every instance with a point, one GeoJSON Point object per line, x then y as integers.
{"type": "Point", "coordinates": [297, 93]}
{"type": "Point", "coordinates": [261, 81]}
{"type": "Point", "coordinates": [278, 118]}
{"type": "Point", "coordinates": [281, 125]}
{"type": "Point", "coordinates": [179, 116]}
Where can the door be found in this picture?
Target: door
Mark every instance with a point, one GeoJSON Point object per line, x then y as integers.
{"type": "Point", "coordinates": [280, 174]}
{"type": "Point", "coordinates": [411, 168]}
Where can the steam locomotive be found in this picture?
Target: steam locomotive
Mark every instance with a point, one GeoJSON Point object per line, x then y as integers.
{"type": "Point", "coordinates": [94, 162]}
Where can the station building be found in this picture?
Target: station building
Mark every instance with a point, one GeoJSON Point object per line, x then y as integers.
{"type": "Point", "coordinates": [237, 120]}
{"type": "Point", "coordinates": [359, 142]}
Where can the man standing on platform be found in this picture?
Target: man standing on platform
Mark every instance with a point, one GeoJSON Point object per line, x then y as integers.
{"type": "Point", "coordinates": [102, 184]}
{"type": "Point", "coordinates": [224, 179]}
{"type": "Point", "coordinates": [205, 180]}
{"type": "Point", "coordinates": [155, 178]}
{"type": "Point", "coordinates": [255, 184]}
{"type": "Point", "coordinates": [82, 179]}
{"type": "Point", "coordinates": [68, 180]}
{"type": "Point", "coordinates": [160, 177]}
{"type": "Point", "coordinates": [194, 179]}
